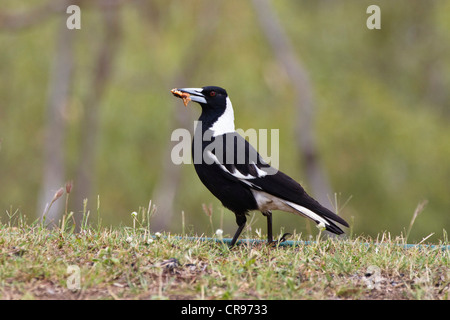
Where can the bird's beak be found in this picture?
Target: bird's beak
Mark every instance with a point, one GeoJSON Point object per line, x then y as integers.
{"type": "Point", "coordinates": [188, 94]}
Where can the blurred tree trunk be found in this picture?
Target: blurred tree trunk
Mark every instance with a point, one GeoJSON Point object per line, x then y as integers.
{"type": "Point", "coordinates": [85, 171]}
{"type": "Point", "coordinates": [288, 59]}
{"type": "Point", "coordinates": [164, 194]}
{"type": "Point", "coordinates": [58, 94]}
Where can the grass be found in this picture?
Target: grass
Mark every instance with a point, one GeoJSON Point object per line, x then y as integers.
{"type": "Point", "coordinates": [37, 262]}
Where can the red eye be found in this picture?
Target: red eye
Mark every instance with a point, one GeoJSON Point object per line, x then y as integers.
{"type": "Point", "coordinates": [212, 94]}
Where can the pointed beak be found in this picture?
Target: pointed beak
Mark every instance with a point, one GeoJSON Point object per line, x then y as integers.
{"type": "Point", "coordinates": [188, 94]}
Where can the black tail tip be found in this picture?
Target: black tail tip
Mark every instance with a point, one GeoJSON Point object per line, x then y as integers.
{"type": "Point", "coordinates": [334, 229]}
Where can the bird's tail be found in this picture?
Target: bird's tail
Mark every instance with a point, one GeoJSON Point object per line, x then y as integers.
{"type": "Point", "coordinates": [320, 215]}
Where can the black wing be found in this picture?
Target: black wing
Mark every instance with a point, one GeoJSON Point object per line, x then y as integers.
{"type": "Point", "coordinates": [239, 161]}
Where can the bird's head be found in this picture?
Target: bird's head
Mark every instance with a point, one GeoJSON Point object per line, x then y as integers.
{"type": "Point", "coordinates": [211, 97]}
{"type": "Point", "coordinates": [217, 111]}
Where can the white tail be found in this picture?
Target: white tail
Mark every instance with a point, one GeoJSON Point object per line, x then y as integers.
{"type": "Point", "coordinates": [306, 213]}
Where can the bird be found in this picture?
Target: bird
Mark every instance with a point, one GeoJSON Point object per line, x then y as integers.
{"type": "Point", "coordinates": [235, 173]}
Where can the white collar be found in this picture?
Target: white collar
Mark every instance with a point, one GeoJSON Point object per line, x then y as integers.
{"type": "Point", "coordinates": [225, 123]}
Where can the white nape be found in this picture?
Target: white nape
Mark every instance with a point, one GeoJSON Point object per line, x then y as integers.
{"type": "Point", "coordinates": [225, 123]}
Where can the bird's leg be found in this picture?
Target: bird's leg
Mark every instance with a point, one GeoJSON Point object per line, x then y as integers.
{"type": "Point", "coordinates": [283, 237]}
{"type": "Point", "coordinates": [281, 240]}
{"type": "Point", "coordinates": [268, 215]}
{"type": "Point", "coordinates": [240, 220]}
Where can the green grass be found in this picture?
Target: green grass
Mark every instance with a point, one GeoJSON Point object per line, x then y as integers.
{"type": "Point", "coordinates": [132, 263]}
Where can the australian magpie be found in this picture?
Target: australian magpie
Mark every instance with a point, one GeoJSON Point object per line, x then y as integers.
{"type": "Point", "coordinates": [237, 175]}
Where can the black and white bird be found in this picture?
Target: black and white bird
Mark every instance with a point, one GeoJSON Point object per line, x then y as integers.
{"type": "Point", "coordinates": [236, 174]}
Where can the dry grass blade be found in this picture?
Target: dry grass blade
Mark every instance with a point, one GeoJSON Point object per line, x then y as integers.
{"type": "Point", "coordinates": [420, 207]}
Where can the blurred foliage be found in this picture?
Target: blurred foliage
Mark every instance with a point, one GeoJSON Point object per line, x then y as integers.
{"type": "Point", "coordinates": [382, 105]}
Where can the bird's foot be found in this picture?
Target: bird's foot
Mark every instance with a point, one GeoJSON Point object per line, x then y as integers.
{"type": "Point", "coordinates": [281, 240]}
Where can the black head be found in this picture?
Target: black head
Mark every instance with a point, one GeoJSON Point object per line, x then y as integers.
{"type": "Point", "coordinates": [211, 96]}
{"type": "Point", "coordinates": [217, 111]}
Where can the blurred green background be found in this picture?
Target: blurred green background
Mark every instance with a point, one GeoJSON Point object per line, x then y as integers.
{"type": "Point", "coordinates": [381, 103]}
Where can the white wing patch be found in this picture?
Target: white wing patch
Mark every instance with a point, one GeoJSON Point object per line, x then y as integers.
{"type": "Point", "coordinates": [261, 173]}
{"type": "Point", "coordinates": [236, 173]}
